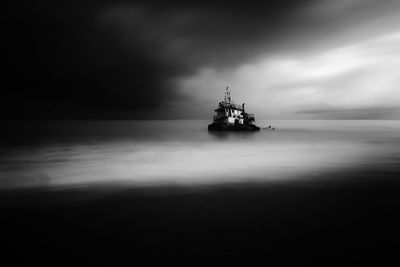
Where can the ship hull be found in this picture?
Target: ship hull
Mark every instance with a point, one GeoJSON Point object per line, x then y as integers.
{"type": "Point", "coordinates": [232, 127]}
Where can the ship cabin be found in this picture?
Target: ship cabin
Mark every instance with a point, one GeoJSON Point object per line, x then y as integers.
{"type": "Point", "coordinates": [231, 113]}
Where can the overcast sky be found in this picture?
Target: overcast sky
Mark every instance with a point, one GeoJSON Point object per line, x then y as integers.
{"type": "Point", "coordinates": [149, 59]}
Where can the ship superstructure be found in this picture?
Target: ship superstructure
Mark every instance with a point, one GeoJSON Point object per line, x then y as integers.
{"type": "Point", "coordinates": [231, 116]}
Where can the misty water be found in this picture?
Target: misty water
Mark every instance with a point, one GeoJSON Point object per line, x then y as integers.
{"type": "Point", "coordinates": [182, 152]}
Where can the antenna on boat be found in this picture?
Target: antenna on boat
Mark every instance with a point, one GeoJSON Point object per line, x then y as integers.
{"type": "Point", "coordinates": [227, 95]}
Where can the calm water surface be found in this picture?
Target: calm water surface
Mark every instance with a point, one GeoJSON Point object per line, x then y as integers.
{"type": "Point", "coordinates": [146, 153]}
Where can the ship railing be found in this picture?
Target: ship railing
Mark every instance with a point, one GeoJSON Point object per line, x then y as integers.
{"type": "Point", "coordinates": [231, 105]}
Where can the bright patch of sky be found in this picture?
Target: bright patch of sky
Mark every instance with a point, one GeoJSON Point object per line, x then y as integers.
{"type": "Point", "coordinates": [359, 75]}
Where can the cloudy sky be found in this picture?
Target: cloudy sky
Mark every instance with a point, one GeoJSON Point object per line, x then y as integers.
{"type": "Point", "coordinates": [173, 59]}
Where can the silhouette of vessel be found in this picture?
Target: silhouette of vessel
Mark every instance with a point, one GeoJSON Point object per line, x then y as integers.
{"type": "Point", "coordinates": [232, 117]}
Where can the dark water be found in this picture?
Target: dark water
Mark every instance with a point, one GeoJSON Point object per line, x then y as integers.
{"type": "Point", "coordinates": [126, 193]}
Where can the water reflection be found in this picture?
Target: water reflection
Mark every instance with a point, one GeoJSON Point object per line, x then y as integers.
{"type": "Point", "coordinates": [240, 135]}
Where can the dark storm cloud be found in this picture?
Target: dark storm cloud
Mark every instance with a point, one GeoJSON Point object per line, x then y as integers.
{"type": "Point", "coordinates": [77, 58]}
{"type": "Point", "coordinates": [109, 59]}
{"type": "Point", "coordinates": [60, 61]}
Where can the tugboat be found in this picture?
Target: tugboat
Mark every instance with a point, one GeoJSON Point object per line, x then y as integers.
{"type": "Point", "coordinates": [232, 117]}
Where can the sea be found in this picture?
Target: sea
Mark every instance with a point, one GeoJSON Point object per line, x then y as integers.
{"type": "Point", "coordinates": [168, 193]}
{"type": "Point", "coordinates": [58, 154]}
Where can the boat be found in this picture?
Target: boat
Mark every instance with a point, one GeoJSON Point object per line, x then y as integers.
{"type": "Point", "coordinates": [232, 117]}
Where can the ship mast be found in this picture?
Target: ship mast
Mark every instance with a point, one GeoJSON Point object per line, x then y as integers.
{"type": "Point", "coordinates": [227, 95]}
